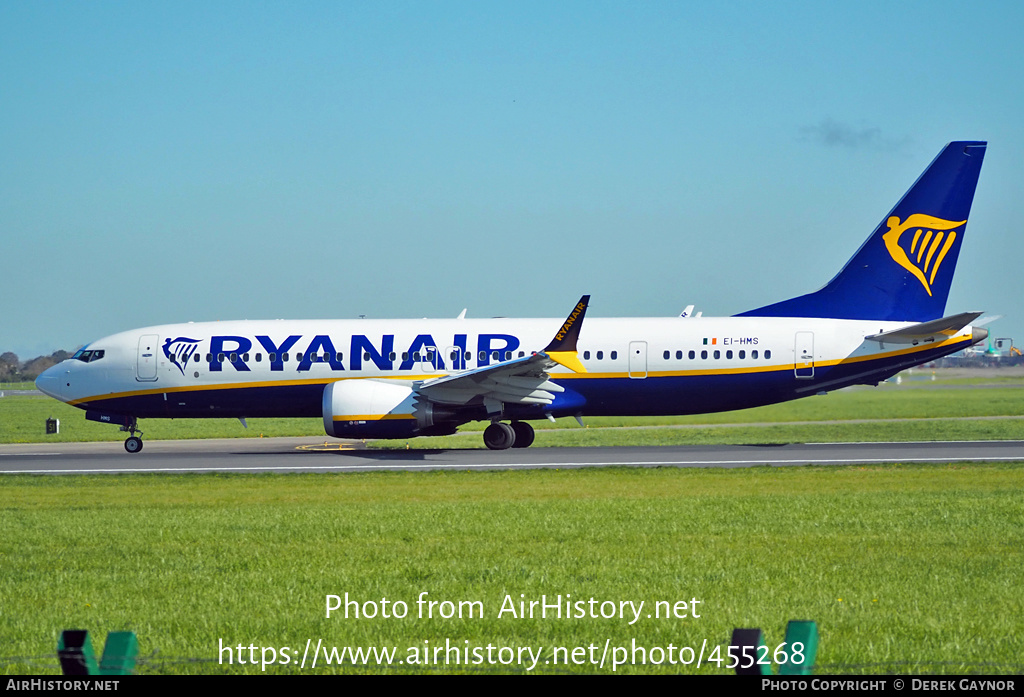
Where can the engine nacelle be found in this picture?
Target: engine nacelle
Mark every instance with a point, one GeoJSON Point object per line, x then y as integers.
{"type": "Point", "coordinates": [369, 409]}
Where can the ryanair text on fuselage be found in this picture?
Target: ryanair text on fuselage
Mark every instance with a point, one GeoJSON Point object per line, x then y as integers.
{"type": "Point", "coordinates": [358, 349]}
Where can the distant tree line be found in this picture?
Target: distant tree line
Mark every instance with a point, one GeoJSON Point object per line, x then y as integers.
{"type": "Point", "coordinates": [12, 369]}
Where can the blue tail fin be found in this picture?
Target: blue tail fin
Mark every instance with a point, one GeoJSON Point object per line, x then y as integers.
{"type": "Point", "coordinates": [904, 270]}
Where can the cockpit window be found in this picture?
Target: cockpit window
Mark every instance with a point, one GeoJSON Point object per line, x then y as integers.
{"type": "Point", "coordinates": [88, 356]}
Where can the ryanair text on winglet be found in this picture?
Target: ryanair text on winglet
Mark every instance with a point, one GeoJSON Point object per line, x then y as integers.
{"type": "Point", "coordinates": [580, 307]}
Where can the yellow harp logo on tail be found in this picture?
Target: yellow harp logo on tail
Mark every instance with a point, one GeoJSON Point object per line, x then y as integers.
{"type": "Point", "coordinates": [933, 238]}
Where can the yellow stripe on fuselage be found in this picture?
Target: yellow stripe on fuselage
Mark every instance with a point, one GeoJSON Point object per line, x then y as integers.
{"type": "Point", "coordinates": [372, 417]}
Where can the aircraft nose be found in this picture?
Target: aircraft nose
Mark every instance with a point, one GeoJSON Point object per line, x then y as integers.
{"type": "Point", "coordinates": [50, 381]}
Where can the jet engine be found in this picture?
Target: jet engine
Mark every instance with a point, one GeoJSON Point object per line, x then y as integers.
{"type": "Point", "coordinates": [382, 409]}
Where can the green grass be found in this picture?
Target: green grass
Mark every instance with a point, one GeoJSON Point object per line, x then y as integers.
{"type": "Point", "coordinates": [905, 568]}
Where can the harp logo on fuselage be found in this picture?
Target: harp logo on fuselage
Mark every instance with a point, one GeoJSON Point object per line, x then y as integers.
{"type": "Point", "coordinates": [179, 350]}
{"type": "Point", "coordinates": [931, 240]}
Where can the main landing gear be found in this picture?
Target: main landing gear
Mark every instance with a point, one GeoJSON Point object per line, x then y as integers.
{"type": "Point", "coordinates": [133, 444]}
{"type": "Point", "coordinates": [499, 436]}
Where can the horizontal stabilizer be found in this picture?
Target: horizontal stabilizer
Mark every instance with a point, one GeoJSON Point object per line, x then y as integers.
{"type": "Point", "coordinates": [988, 320]}
{"type": "Point", "coordinates": [936, 330]}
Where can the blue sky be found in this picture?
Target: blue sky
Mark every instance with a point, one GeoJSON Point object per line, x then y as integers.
{"type": "Point", "coordinates": [203, 161]}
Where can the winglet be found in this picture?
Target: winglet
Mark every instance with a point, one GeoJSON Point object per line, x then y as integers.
{"type": "Point", "coordinates": [562, 348]}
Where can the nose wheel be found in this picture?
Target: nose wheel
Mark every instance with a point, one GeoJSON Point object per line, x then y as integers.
{"type": "Point", "coordinates": [133, 444]}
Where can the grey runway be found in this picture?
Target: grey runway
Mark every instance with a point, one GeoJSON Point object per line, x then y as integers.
{"type": "Point", "coordinates": [315, 455]}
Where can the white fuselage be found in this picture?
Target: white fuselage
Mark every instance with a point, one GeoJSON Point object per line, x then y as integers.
{"type": "Point", "coordinates": [633, 366]}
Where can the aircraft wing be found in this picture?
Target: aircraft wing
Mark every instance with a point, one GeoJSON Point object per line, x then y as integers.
{"type": "Point", "coordinates": [518, 381]}
{"type": "Point", "coordinates": [522, 380]}
{"type": "Point", "coordinates": [935, 330]}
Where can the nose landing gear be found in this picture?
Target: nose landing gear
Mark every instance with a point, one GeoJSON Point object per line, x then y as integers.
{"type": "Point", "coordinates": [133, 444]}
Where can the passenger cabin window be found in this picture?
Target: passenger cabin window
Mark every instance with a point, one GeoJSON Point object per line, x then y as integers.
{"type": "Point", "coordinates": [615, 354]}
{"type": "Point", "coordinates": [767, 354]}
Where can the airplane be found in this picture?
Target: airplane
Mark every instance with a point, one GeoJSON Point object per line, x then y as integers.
{"type": "Point", "coordinates": [368, 379]}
